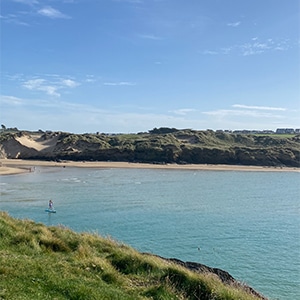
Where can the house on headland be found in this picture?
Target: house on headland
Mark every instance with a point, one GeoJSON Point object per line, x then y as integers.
{"type": "Point", "coordinates": [286, 130]}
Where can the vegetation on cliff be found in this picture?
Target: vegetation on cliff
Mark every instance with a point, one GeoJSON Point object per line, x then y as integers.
{"type": "Point", "coordinates": [163, 145]}
{"type": "Point", "coordinates": [39, 262]}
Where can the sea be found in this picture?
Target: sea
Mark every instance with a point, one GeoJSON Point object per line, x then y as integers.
{"type": "Point", "coordinates": [244, 222]}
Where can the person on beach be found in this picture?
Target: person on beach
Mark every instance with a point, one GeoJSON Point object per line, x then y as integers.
{"type": "Point", "coordinates": [50, 204]}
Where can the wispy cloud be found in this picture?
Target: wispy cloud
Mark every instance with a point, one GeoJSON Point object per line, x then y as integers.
{"type": "Point", "coordinates": [130, 1]}
{"type": "Point", "coordinates": [258, 107]}
{"type": "Point", "coordinates": [25, 16]}
{"type": "Point", "coordinates": [121, 83]}
{"type": "Point", "coordinates": [210, 52]}
{"type": "Point", "coordinates": [50, 87]}
{"type": "Point", "coordinates": [69, 83]}
{"type": "Point", "coordinates": [241, 113]}
{"type": "Point", "coordinates": [10, 100]}
{"type": "Point", "coordinates": [34, 113]}
{"type": "Point", "coordinates": [41, 85]}
{"type": "Point", "coordinates": [27, 2]}
{"type": "Point", "coordinates": [183, 111]}
{"type": "Point", "coordinates": [150, 37]}
{"type": "Point", "coordinates": [90, 79]}
{"type": "Point", "coordinates": [52, 13]}
{"type": "Point", "coordinates": [235, 24]}
{"type": "Point", "coordinates": [253, 111]}
{"type": "Point", "coordinates": [254, 47]}
{"type": "Point", "coordinates": [13, 19]}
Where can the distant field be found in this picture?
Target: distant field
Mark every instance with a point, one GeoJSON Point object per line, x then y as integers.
{"type": "Point", "coordinates": [277, 135]}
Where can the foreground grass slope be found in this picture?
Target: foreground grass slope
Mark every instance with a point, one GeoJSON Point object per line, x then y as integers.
{"type": "Point", "coordinates": [39, 262]}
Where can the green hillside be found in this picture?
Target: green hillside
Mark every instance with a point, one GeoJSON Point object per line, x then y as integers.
{"type": "Point", "coordinates": [163, 145]}
{"type": "Point", "coordinates": [39, 262]}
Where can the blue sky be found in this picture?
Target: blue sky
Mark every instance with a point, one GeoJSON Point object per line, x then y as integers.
{"type": "Point", "coordinates": [132, 65]}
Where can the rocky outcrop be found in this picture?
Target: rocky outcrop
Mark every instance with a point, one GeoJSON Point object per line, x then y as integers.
{"type": "Point", "coordinates": [168, 146]}
{"type": "Point", "coordinates": [224, 276]}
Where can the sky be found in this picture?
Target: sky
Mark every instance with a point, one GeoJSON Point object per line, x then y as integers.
{"type": "Point", "coordinates": [128, 66]}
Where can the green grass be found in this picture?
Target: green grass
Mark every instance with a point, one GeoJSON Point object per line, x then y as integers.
{"type": "Point", "coordinates": [165, 145]}
{"type": "Point", "coordinates": [277, 135]}
{"type": "Point", "coordinates": [39, 262]}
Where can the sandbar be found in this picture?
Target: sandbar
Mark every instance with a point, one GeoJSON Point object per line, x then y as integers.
{"type": "Point", "coordinates": [17, 166]}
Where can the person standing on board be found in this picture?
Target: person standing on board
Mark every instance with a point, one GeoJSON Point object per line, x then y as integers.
{"type": "Point", "coordinates": [50, 204]}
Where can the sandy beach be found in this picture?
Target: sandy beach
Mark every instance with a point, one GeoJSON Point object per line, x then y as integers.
{"type": "Point", "coordinates": [17, 166]}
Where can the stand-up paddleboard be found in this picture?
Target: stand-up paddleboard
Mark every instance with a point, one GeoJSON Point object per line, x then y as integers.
{"type": "Point", "coordinates": [48, 210]}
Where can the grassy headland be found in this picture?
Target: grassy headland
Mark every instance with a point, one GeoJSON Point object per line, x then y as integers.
{"type": "Point", "coordinates": [40, 262]}
{"type": "Point", "coordinates": [158, 146]}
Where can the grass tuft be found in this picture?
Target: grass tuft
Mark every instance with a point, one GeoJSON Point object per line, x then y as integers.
{"type": "Point", "coordinates": [39, 262]}
{"type": "Point", "coordinates": [188, 284]}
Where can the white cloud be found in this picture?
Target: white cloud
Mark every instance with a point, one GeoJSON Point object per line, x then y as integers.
{"type": "Point", "coordinates": [241, 113]}
{"type": "Point", "coordinates": [52, 13]}
{"type": "Point", "coordinates": [35, 8]}
{"type": "Point", "coordinates": [56, 114]}
{"type": "Point", "coordinates": [69, 83]}
{"type": "Point", "coordinates": [149, 37]}
{"type": "Point", "coordinates": [235, 24]}
{"type": "Point", "coordinates": [209, 52]}
{"type": "Point", "coordinates": [258, 107]}
{"type": "Point", "coordinates": [14, 19]}
{"type": "Point", "coordinates": [227, 50]}
{"type": "Point", "coordinates": [130, 1]}
{"type": "Point", "coordinates": [183, 111]}
{"type": "Point", "coordinates": [254, 47]}
{"type": "Point", "coordinates": [50, 87]}
{"type": "Point", "coordinates": [47, 114]}
{"type": "Point", "coordinates": [90, 78]}
{"type": "Point", "coordinates": [27, 2]}
{"type": "Point", "coordinates": [253, 111]}
{"type": "Point", "coordinates": [40, 84]}
{"type": "Point", "coordinates": [10, 100]}
{"type": "Point", "coordinates": [121, 83]}
{"type": "Point", "coordinates": [244, 111]}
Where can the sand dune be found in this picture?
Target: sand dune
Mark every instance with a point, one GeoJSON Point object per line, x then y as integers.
{"type": "Point", "coordinates": [37, 142]}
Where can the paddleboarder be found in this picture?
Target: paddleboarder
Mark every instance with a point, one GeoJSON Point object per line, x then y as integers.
{"type": "Point", "coordinates": [50, 204]}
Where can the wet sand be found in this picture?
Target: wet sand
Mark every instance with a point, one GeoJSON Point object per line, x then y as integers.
{"type": "Point", "coordinates": [17, 166]}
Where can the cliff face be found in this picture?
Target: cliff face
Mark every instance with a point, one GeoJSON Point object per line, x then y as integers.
{"type": "Point", "coordinates": [174, 146]}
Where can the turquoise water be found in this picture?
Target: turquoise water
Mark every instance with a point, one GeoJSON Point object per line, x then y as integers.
{"type": "Point", "coordinates": [246, 223]}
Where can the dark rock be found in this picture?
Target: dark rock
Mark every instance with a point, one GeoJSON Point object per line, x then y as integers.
{"type": "Point", "coordinates": [224, 276]}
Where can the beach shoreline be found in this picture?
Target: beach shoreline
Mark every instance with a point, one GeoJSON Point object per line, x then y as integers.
{"type": "Point", "coordinates": [18, 166]}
